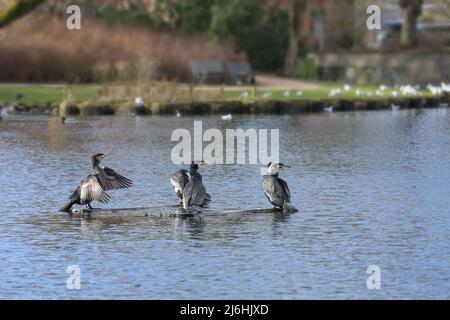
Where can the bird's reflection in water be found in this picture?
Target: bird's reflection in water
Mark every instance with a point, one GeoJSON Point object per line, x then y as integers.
{"type": "Point", "coordinates": [181, 227]}
{"type": "Point", "coordinates": [193, 226]}
{"type": "Point", "coordinates": [278, 219]}
{"type": "Point", "coordinates": [96, 226]}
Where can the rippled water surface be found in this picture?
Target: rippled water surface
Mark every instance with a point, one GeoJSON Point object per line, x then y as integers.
{"type": "Point", "coordinates": [373, 188]}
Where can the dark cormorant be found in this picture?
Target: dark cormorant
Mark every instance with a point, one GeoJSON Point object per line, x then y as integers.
{"type": "Point", "coordinates": [276, 189]}
{"type": "Point", "coordinates": [94, 186]}
{"type": "Point", "coordinates": [194, 192]}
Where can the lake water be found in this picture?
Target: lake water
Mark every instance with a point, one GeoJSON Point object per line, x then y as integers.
{"type": "Point", "coordinates": [372, 188]}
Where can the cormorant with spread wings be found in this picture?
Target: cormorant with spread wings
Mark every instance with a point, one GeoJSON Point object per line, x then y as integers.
{"type": "Point", "coordinates": [94, 186]}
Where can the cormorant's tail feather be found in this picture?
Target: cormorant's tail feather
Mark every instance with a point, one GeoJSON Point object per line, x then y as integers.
{"type": "Point", "coordinates": [289, 208]}
{"type": "Point", "coordinates": [194, 210]}
{"type": "Point", "coordinates": [67, 206]}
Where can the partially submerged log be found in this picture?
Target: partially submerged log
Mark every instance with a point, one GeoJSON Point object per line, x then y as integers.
{"type": "Point", "coordinates": [126, 214]}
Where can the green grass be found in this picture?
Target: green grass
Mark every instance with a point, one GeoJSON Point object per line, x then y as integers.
{"type": "Point", "coordinates": [43, 95]}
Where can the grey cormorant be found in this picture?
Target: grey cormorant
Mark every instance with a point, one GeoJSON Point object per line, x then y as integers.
{"type": "Point", "coordinates": [194, 192]}
{"type": "Point", "coordinates": [277, 190]}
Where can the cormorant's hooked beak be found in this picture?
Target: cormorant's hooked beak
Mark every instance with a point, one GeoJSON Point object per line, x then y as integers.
{"type": "Point", "coordinates": [282, 165]}
{"type": "Point", "coordinates": [200, 163]}
{"type": "Point", "coordinates": [107, 153]}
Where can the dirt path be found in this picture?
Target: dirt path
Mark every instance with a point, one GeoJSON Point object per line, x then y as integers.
{"type": "Point", "coordinates": [275, 82]}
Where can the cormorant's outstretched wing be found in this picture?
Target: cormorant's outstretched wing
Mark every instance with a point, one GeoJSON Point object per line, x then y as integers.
{"type": "Point", "coordinates": [179, 181]}
{"type": "Point", "coordinates": [286, 189]}
{"type": "Point", "coordinates": [90, 189]}
{"type": "Point", "coordinates": [111, 180]}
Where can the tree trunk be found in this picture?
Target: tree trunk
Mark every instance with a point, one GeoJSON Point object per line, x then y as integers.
{"type": "Point", "coordinates": [296, 11]}
{"type": "Point", "coordinates": [411, 12]}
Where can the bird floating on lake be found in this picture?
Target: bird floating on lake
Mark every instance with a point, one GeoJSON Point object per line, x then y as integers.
{"type": "Point", "coordinates": [94, 186]}
{"type": "Point", "coordinates": [227, 117]}
{"type": "Point", "coordinates": [395, 107]}
{"type": "Point", "coordinates": [178, 114]}
{"type": "Point", "coordinates": [329, 109]}
{"type": "Point", "coordinates": [139, 101]}
{"type": "Point", "coordinates": [65, 120]}
{"type": "Point", "coordinates": [3, 112]}
{"type": "Point", "coordinates": [194, 192]}
{"type": "Point", "coordinates": [276, 189]}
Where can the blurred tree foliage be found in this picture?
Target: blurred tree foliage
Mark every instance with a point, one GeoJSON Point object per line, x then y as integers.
{"type": "Point", "coordinates": [260, 32]}
{"type": "Point", "coordinates": [195, 16]}
{"type": "Point", "coordinates": [17, 9]}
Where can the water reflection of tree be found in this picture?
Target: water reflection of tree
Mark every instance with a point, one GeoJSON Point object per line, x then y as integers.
{"type": "Point", "coordinates": [55, 138]}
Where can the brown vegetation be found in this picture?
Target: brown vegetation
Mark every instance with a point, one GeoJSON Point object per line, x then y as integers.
{"type": "Point", "coordinates": [40, 48]}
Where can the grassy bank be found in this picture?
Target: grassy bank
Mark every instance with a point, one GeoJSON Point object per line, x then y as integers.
{"type": "Point", "coordinates": [39, 96]}
{"type": "Point", "coordinates": [168, 98]}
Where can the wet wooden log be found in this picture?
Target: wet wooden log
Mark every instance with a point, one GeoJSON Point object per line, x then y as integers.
{"type": "Point", "coordinates": [170, 211]}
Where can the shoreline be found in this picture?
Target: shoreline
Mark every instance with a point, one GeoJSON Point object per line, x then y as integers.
{"type": "Point", "coordinates": [258, 106]}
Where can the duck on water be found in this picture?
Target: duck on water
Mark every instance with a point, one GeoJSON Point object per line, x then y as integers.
{"type": "Point", "coordinates": [94, 186]}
